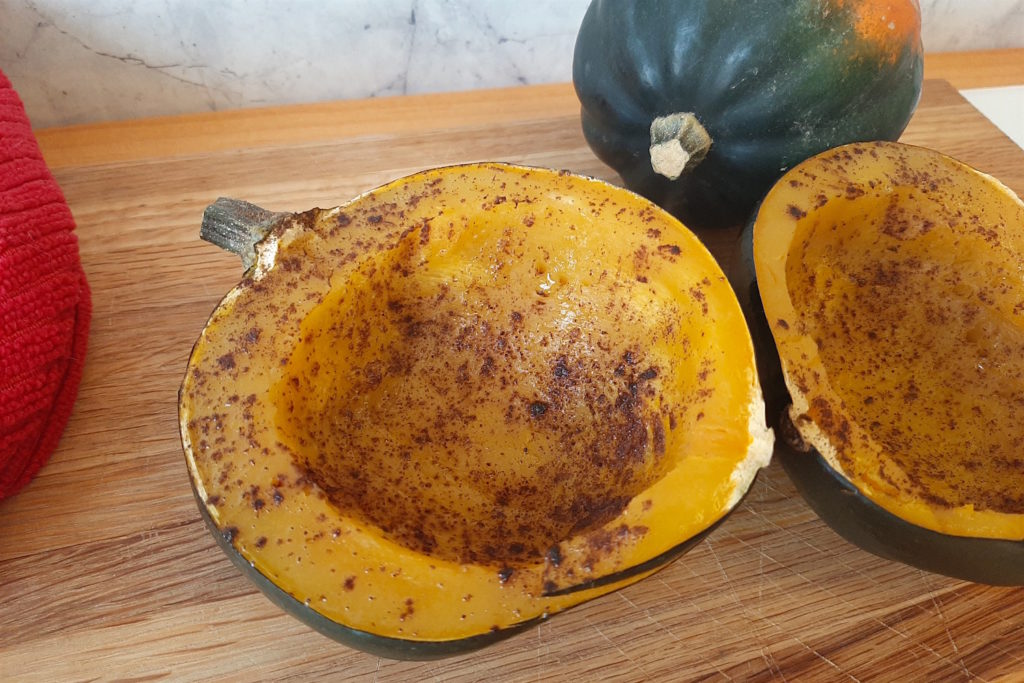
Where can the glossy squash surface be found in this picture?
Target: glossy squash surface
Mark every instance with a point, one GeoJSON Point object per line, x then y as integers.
{"type": "Point", "coordinates": [470, 399]}
{"type": "Point", "coordinates": [701, 105]}
{"type": "Point", "coordinates": [891, 279]}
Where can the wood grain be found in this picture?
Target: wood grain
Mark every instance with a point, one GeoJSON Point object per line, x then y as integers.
{"type": "Point", "coordinates": [200, 134]}
{"type": "Point", "coordinates": [106, 571]}
{"type": "Point", "coordinates": [976, 69]}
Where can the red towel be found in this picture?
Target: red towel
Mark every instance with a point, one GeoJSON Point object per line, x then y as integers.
{"type": "Point", "coordinates": [44, 302]}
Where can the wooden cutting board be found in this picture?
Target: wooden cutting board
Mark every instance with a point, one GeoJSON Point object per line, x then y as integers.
{"type": "Point", "coordinates": [106, 571]}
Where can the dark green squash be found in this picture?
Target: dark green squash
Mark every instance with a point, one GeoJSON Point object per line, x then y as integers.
{"type": "Point", "coordinates": [882, 286]}
{"type": "Point", "coordinates": [748, 88]}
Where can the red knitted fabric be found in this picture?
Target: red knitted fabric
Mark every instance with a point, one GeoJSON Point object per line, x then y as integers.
{"type": "Point", "coordinates": [44, 302]}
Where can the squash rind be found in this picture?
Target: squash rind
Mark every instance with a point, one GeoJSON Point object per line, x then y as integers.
{"type": "Point", "coordinates": [865, 524]}
{"type": "Point", "coordinates": [371, 643]}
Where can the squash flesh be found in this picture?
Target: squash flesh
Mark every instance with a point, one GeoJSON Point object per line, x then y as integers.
{"type": "Point", "coordinates": [262, 412]}
{"type": "Point", "coordinates": [892, 281]}
{"type": "Point", "coordinates": [514, 422]}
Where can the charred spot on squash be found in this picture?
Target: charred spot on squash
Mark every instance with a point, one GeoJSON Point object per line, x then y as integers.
{"type": "Point", "coordinates": [517, 386]}
{"type": "Point", "coordinates": [897, 314]}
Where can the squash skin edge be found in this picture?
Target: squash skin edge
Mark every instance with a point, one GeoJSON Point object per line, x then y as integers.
{"type": "Point", "coordinates": [865, 524]}
{"type": "Point", "coordinates": [371, 643]}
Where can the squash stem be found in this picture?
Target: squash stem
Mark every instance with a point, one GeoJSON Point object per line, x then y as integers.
{"type": "Point", "coordinates": [678, 143]}
{"type": "Point", "coordinates": [237, 226]}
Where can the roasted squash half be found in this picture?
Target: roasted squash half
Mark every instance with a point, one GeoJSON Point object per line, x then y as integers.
{"type": "Point", "coordinates": [467, 400]}
{"type": "Point", "coordinates": [891, 278]}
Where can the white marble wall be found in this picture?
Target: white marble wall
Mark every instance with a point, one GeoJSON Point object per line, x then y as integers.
{"type": "Point", "coordinates": [76, 61]}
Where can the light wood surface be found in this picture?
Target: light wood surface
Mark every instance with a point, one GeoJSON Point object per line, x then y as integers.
{"type": "Point", "coordinates": [980, 69]}
{"type": "Point", "coordinates": [106, 571]}
{"type": "Point", "coordinates": [180, 136]}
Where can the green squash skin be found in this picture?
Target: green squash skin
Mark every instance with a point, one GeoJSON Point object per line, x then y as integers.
{"type": "Point", "coordinates": [414, 650]}
{"type": "Point", "coordinates": [868, 526]}
{"type": "Point", "coordinates": [772, 81]}
{"type": "Point", "coordinates": [380, 646]}
{"type": "Point", "coordinates": [852, 515]}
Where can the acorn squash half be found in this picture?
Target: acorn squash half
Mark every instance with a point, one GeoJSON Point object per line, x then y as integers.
{"type": "Point", "coordinates": [892, 280]}
{"type": "Point", "coordinates": [467, 400]}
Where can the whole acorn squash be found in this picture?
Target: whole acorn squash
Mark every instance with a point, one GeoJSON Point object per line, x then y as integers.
{"type": "Point", "coordinates": [889, 281]}
{"type": "Point", "coordinates": [465, 401]}
{"type": "Point", "coordinates": [701, 105]}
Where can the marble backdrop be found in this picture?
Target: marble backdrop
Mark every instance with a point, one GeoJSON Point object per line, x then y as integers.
{"type": "Point", "coordinates": [77, 61]}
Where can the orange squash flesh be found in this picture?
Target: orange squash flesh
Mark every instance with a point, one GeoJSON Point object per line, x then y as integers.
{"type": "Point", "coordinates": [892, 278]}
{"type": "Point", "coordinates": [470, 398]}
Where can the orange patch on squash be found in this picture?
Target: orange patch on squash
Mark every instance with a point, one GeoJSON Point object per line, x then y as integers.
{"type": "Point", "coordinates": [889, 24]}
